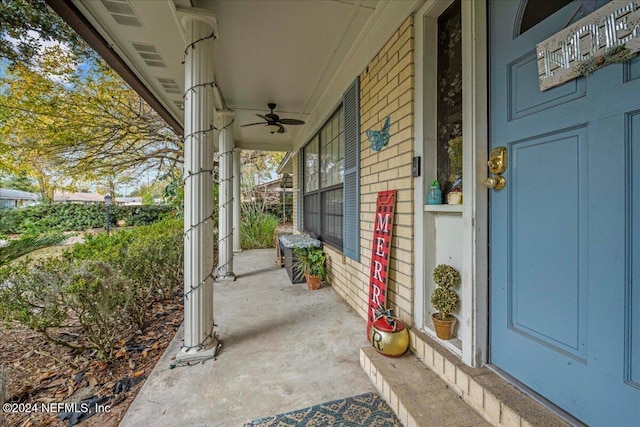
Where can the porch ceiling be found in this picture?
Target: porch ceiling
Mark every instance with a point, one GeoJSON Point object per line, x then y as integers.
{"type": "Point", "coordinates": [281, 51]}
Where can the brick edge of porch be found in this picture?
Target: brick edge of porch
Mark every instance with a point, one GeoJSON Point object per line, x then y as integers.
{"type": "Point", "coordinates": [494, 399]}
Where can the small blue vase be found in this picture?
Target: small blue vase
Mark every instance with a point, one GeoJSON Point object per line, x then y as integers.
{"type": "Point", "coordinates": [434, 197]}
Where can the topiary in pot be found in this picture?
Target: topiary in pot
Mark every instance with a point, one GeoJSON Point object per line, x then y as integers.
{"type": "Point", "coordinates": [445, 300]}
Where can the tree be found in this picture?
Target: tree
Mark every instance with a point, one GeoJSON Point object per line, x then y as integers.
{"type": "Point", "coordinates": [65, 116]}
{"type": "Point", "coordinates": [147, 199]}
{"type": "Point", "coordinates": [27, 25]}
{"type": "Point", "coordinates": [23, 156]}
{"type": "Point", "coordinates": [18, 182]}
{"type": "Point", "coordinates": [259, 166]}
{"type": "Point", "coordinates": [20, 131]}
{"type": "Point", "coordinates": [79, 121]}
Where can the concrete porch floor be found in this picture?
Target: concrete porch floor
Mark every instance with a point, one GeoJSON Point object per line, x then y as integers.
{"type": "Point", "coordinates": [284, 348]}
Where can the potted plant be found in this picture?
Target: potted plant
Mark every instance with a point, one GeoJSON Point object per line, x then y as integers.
{"type": "Point", "coordinates": [445, 300]}
{"type": "Point", "coordinates": [454, 197]}
{"type": "Point", "coordinates": [434, 196]}
{"type": "Point", "coordinates": [454, 150]}
{"type": "Point", "coordinates": [310, 262]}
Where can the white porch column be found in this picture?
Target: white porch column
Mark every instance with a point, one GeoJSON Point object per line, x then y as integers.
{"type": "Point", "coordinates": [225, 199]}
{"type": "Point", "coordinates": [237, 171]}
{"type": "Point", "coordinates": [199, 339]}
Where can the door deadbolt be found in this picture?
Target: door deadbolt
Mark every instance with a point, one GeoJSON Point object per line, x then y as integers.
{"type": "Point", "coordinates": [497, 165]}
{"type": "Point", "coordinates": [498, 160]}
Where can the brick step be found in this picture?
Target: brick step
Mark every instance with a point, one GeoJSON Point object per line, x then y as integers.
{"type": "Point", "coordinates": [431, 386]}
{"type": "Point", "coordinates": [497, 400]}
{"type": "Point", "coordinates": [416, 394]}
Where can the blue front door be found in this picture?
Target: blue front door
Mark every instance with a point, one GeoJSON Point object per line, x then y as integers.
{"type": "Point", "coordinates": [565, 231]}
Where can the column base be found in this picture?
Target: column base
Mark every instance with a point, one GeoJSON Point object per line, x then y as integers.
{"type": "Point", "coordinates": [194, 355]}
{"type": "Point", "coordinates": [237, 251]}
{"type": "Point", "coordinates": [226, 278]}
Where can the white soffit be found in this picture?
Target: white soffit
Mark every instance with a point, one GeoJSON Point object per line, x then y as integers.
{"type": "Point", "coordinates": [280, 51]}
{"type": "Point", "coordinates": [296, 53]}
{"type": "Point", "coordinates": [145, 35]}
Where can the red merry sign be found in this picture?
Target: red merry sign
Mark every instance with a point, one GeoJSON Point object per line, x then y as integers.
{"type": "Point", "coordinates": [380, 253]}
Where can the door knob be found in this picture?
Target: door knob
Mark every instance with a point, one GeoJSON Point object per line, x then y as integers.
{"type": "Point", "coordinates": [496, 182]}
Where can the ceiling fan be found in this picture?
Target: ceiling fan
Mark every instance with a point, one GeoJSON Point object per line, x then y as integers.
{"type": "Point", "coordinates": [272, 122]}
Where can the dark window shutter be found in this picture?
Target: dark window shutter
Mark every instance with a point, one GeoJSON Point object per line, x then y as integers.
{"type": "Point", "coordinates": [351, 228]}
{"type": "Point", "coordinates": [300, 190]}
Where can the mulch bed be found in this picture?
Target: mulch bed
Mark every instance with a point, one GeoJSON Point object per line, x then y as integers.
{"type": "Point", "coordinates": [34, 372]}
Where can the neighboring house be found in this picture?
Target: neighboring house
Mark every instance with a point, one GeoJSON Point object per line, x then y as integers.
{"type": "Point", "coordinates": [77, 198]}
{"type": "Point", "coordinates": [276, 194]}
{"type": "Point", "coordinates": [549, 263]}
{"type": "Point", "coordinates": [12, 199]}
{"type": "Point", "coordinates": [129, 201]}
{"type": "Point", "coordinates": [272, 192]}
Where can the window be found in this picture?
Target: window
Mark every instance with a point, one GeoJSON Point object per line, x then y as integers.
{"type": "Point", "coordinates": [329, 178]}
{"type": "Point", "coordinates": [323, 160]}
{"type": "Point", "coordinates": [449, 147]}
{"type": "Point", "coordinates": [537, 11]}
{"type": "Point", "coordinates": [7, 204]}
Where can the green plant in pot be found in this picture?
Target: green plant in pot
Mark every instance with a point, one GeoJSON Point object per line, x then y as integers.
{"type": "Point", "coordinates": [310, 263]}
{"type": "Point", "coordinates": [454, 187]}
{"type": "Point", "coordinates": [445, 300]}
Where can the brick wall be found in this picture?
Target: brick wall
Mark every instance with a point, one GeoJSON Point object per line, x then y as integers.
{"type": "Point", "coordinates": [386, 89]}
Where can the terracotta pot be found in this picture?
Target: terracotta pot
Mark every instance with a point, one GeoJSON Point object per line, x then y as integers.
{"type": "Point", "coordinates": [444, 328]}
{"type": "Point", "coordinates": [313, 282]}
{"type": "Point", "coordinates": [386, 341]}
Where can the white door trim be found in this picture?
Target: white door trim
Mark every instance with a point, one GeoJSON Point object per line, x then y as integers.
{"type": "Point", "coordinates": [475, 215]}
{"type": "Point", "coordinates": [473, 331]}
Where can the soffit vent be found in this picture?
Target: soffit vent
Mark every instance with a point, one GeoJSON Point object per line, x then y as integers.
{"type": "Point", "coordinates": [179, 104]}
{"type": "Point", "coordinates": [149, 54]}
{"type": "Point", "coordinates": [169, 85]}
{"type": "Point", "coordinates": [122, 12]}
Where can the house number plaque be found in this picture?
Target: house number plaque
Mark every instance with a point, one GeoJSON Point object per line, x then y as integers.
{"type": "Point", "coordinates": [610, 34]}
{"type": "Point", "coordinates": [381, 248]}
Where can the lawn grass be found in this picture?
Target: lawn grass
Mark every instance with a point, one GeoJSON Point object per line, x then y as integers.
{"type": "Point", "coordinates": [43, 253]}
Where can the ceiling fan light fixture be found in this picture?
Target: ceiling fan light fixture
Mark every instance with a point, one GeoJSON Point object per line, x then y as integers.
{"type": "Point", "coordinates": [273, 123]}
{"type": "Point", "coordinates": [272, 128]}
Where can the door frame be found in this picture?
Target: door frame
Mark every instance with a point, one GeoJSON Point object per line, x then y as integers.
{"type": "Point", "coordinates": [475, 244]}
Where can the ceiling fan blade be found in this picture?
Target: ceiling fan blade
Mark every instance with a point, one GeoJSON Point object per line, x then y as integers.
{"type": "Point", "coordinates": [281, 130]}
{"type": "Point", "coordinates": [272, 117]}
{"type": "Point", "coordinates": [263, 117]}
{"type": "Point", "coordinates": [252, 124]}
{"type": "Point", "coordinates": [291, 122]}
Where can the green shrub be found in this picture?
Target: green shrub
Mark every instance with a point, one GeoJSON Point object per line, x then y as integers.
{"type": "Point", "coordinates": [102, 301]}
{"type": "Point", "coordinates": [33, 296]}
{"type": "Point", "coordinates": [140, 215]}
{"type": "Point", "coordinates": [155, 258]}
{"type": "Point", "coordinates": [104, 247]}
{"type": "Point", "coordinates": [51, 295]}
{"type": "Point", "coordinates": [279, 211]}
{"type": "Point", "coordinates": [74, 217]}
{"type": "Point", "coordinates": [150, 256]}
{"type": "Point", "coordinates": [102, 287]}
{"type": "Point", "coordinates": [257, 228]}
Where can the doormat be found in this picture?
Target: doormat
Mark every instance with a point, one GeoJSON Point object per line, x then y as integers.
{"type": "Point", "coordinates": [364, 410]}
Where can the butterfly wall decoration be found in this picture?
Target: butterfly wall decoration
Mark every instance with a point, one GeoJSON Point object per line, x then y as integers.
{"type": "Point", "coordinates": [379, 139]}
